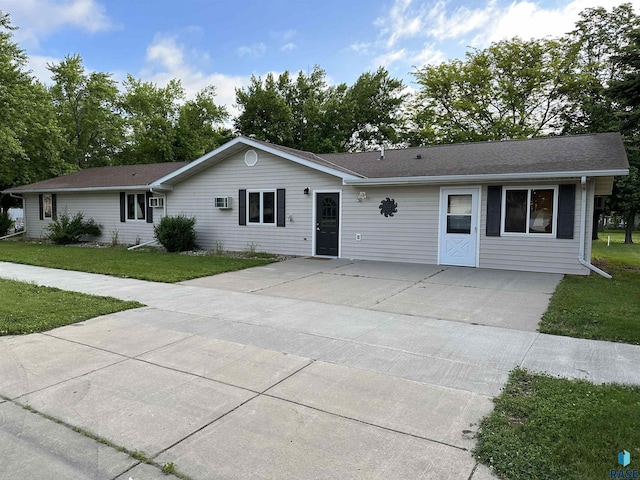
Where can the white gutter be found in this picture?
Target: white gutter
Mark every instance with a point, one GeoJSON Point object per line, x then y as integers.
{"type": "Point", "coordinates": [24, 213]}
{"type": "Point", "coordinates": [143, 244]}
{"type": "Point", "coordinates": [86, 189]}
{"type": "Point", "coordinates": [484, 177]}
{"type": "Point", "coordinates": [21, 232]}
{"type": "Point", "coordinates": [583, 230]}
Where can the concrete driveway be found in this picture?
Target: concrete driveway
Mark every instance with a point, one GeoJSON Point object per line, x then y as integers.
{"type": "Point", "coordinates": [228, 384]}
{"type": "Point", "coordinates": [500, 298]}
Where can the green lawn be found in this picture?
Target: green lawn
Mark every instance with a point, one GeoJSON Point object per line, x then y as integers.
{"type": "Point", "coordinates": [148, 264]}
{"type": "Point", "coordinates": [549, 428]}
{"type": "Point", "coordinates": [28, 308]}
{"type": "Point", "coordinates": [597, 308]}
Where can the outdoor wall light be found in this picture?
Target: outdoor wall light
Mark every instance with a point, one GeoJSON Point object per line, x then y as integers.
{"type": "Point", "coordinates": [306, 191]}
{"type": "Point", "coordinates": [362, 196]}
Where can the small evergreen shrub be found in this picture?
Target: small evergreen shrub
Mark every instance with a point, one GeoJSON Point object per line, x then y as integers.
{"type": "Point", "coordinates": [176, 234]}
{"type": "Point", "coordinates": [66, 229]}
{"type": "Point", "coordinates": [5, 223]}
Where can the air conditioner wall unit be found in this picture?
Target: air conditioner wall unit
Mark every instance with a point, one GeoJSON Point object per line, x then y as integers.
{"type": "Point", "coordinates": [156, 202]}
{"type": "Point", "coordinates": [223, 203]}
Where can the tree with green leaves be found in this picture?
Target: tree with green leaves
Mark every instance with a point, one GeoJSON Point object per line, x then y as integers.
{"type": "Point", "coordinates": [150, 113]}
{"type": "Point", "coordinates": [626, 93]}
{"type": "Point", "coordinates": [308, 114]}
{"type": "Point", "coordinates": [162, 127]}
{"type": "Point", "coordinates": [599, 36]}
{"type": "Point", "coordinates": [30, 141]}
{"type": "Point", "coordinates": [512, 89]}
{"type": "Point", "coordinates": [86, 105]}
{"type": "Point", "coordinates": [198, 129]}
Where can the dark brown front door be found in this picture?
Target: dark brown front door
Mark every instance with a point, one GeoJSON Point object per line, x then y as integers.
{"type": "Point", "coordinates": [327, 223]}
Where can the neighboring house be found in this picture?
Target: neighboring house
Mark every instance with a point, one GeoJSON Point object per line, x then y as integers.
{"type": "Point", "coordinates": [520, 205]}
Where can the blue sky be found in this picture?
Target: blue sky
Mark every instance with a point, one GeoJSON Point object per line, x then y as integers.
{"type": "Point", "coordinates": [223, 42]}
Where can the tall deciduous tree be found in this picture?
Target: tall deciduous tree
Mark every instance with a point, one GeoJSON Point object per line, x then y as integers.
{"type": "Point", "coordinates": [198, 129]}
{"type": "Point", "coordinates": [87, 110]}
{"type": "Point", "coordinates": [599, 36]}
{"type": "Point", "coordinates": [150, 115]}
{"type": "Point", "coordinates": [512, 89]}
{"type": "Point", "coordinates": [30, 140]}
{"type": "Point", "coordinates": [626, 93]}
{"type": "Point", "coordinates": [308, 114]}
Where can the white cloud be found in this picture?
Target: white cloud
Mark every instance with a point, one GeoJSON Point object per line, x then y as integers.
{"type": "Point", "coordinates": [429, 55]}
{"type": "Point", "coordinates": [401, 22]}
{"type": "Point", "coordinates": [167, 60]}
{"type": "Point", "coordinates": [289, 47]}
{"type": "Point", "coordinates": [39, 18]}
{"type": "Point", "coordinates": [388, 58]}
{"type": "Point", "coordinates": [255, 50]}
{"type": "Point", "coordinates": [284, 35]}
{"type": "Point", "coordinates": [38, 66]}
{"type": "Point", "coordinates": [360, 47]}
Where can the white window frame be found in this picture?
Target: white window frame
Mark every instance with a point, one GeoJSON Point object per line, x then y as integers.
{"type": "Point", "coordinates": [529, 189]}
{"type": "Point", "coordinates": [275, 207]}
{"type": "Point", "coordinates": [47, 200]}
{"type": "Point", "coordinates": [135, 212]}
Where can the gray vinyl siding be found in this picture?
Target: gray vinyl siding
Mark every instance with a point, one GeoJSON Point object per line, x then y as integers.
{"type": "Point", "coordinates": [531, 253]}
{"type": "Point", "coordinates": [411, 235]}
{"type": "Point", "coordinates": [215, 227]}
{"type": "Point", "coordinates": [103, 207]}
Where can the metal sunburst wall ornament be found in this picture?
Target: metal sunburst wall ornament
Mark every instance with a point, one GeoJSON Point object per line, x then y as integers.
{"type": "Point", "coordinates": [388, 207]}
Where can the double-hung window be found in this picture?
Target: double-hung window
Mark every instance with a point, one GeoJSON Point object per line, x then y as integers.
{"type": "Point", "coordinates": [136, 206]}
{"type": "Point", "coordinates": [530, 210]}
{"type": "Point", "coordinates": [261, 207]}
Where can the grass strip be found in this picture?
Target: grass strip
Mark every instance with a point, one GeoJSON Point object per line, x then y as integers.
{"type": "Point", "coordinates": [28, 308]}
{"type": "Point", "coordinates": [544, 428]}
{"type": "Point", "coordinates": [143, 264]}
{"type": "Point", "coordinates": [597, 308]}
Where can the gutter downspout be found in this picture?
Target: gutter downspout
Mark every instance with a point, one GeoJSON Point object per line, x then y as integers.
{"type": "Point", "coordinates": [24, 212]}
{"type": "Point", "coordinates": [583, 230]}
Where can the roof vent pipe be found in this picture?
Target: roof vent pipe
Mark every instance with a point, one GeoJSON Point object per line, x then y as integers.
{"type": "Point", "coordinates": [381, 152]}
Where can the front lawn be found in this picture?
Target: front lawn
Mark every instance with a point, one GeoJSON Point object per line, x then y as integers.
{"type": "Point", "coordinates": [597, 308]}
{"type": "Point", "coordinates": [549, 428]}
{"type": "Point", "coordinates": [28, 308]}
{"type": "Point", "coordinates": [148, 264]}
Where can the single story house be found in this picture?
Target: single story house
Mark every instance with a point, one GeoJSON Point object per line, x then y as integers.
{"type": "Point", "coordinates": [519, 204]}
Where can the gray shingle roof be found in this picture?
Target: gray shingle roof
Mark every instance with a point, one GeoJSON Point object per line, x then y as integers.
{"type": "Point", "coordinates": [103, 177]}
{"type": "Point", "coordinates": [602, 151]}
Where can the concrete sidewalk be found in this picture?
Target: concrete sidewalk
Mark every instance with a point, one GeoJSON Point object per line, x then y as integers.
{"type": "Point", "coordinates": [241, 385]}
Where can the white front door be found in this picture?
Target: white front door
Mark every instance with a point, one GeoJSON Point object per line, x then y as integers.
{"type": "Point", "coordinates": [459, 213]}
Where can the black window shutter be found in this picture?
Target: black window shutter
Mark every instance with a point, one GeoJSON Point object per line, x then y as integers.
{"type": "Point", "coordinates": [41, 206]}
{"type": "Point", "coordinates": [494, 210]}
{"type": "Point", "coordinates": [242, 207]}
{"type": "Point", "coordinates": [123, 202]}
{"type": "Point", "coordinates": [281, 207]}
{"type": "Point", "coordinates": [149, 208]}
{"type": "Point", "coordinates": [54, 206]}
{"type": "Point", "coordinates": [566, 211]}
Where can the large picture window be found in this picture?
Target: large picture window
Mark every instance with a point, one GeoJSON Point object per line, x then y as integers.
{"type": "Point", "coordinates": [529, 210]}
{"type": "Point", "coordinates": [261, 207]}
{"type": "Point", "coordinates": [136, 206]}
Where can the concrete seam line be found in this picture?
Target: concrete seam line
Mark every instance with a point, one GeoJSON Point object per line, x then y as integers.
{"type": "Point", "coordinates": [526, 354]}
{"type": "Point", "coordinates": [366, 423]}
{"type": "Point", "coordinates": [475, 467]}
{"type": "Point", "coordinates": [312, 361]}
{"type": "Point", "coordinates": [206, 425]}
{"type": "Point", "coordinates": [258, 290]}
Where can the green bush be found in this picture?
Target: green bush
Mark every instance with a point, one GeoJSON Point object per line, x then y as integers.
{"type": "Point", "coordinates": [176, 234]}
{"type": "Point", "coordinates": [5, 223]}
{"type": "Point", "coordinates": [65, 229]}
